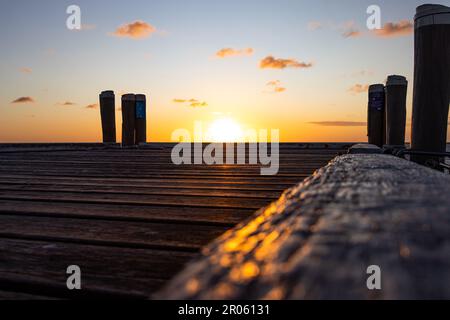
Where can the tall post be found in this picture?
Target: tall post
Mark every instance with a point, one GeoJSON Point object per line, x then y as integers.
{"type": "Point", "coordinates": [141, 119]}
{"type": "Point", "coordinates": [396, 89]}
{"type": "Point", "coordinates": [108, 115]}
{"type": "Point", "coordinates": [431, 80]}
{"type": "Point", "coordinates": [376, 115]}
{"type": "Point", "coordinates": [128, 119]}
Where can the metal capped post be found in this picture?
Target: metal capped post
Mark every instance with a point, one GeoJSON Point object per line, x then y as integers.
{"type": "Point", "coordinates": [141, 119]}
{"type": "Point", "coordinates": [396, 89]}
{"type": "Point", "coordinates": [431, 81]}
{"type": "Point", "coordinates": [128, 119]}
{"type": "Point", "coordinates": [108, 116]}
{"type": "Point", "coordinates": [376, 115]}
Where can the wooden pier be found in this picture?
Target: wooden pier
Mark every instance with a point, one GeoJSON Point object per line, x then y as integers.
{"type": "Point", "coordinates": [129, 218]}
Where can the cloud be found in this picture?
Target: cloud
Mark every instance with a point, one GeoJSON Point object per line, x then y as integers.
{"type": "Point", "coordinates": [24, 100]}
{"type": "Point", "coordinates": [194, 103]}
{"type": "Point", "coordinates": [351, 34]}
{"type": "Point", "coordinates": [66, 103]}
{"type": "Point", "coordinates": [270, 62]}
{"type": "Point", "coordinates": [86, 27]}
{"type": "Point", "coordinates": [230, 52]}
{"type": "Point", "coordinates": [26, 70]}
{"type": "Point", "coordinates": [198, 104]}
{"type": "Point", "coordinates": [339, 123]}
{"type": "Point", "coordinates": [135, 30]}
{"type": "Point", "coordinates": [350, 30]}
{"type": "Point", "coordinates": [92, 106]}
{"type": "Point", "coordinates": [279, 89]}
{"type": "Point", "coordinates": [359, 88]}
{"type": "Point", "coordinates": [363, 73]}
{"type": "Point", "coordinates": [275, 86]}
{"type": "Point", "coordinates": [392, 29]}
{"type": "Point", "coordinates": [315, 25]}
{"type": "Point", "coordinates": [50, 52]}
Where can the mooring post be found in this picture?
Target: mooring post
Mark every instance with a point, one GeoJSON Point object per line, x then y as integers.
{"type": "Point", "coordinates": [128, 119]}
{"type": "Point", "coordinates": [396, 89]}
{"type": "Point", "coordinates": [431, 81]}
{"type": "Point", "coordinates": [108, 116]}
{"type": "Point", "coordinates": [141, 119]}
{"type": "Point", "coordinates": [376, 115]}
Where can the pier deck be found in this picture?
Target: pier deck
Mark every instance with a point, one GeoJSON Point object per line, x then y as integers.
{"type": "Point", "coordinates": [128, 217]}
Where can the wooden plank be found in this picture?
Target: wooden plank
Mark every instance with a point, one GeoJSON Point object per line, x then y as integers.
{"type": "Point", "coordinates": [108, 211]}
{"type": "Point", "coordinates": [290, 178]}
{"type": "Point", "coordinates": [40, 266]}
{"type": "Point", "coordinates": [319, 239]}
{"type": "Point", "coordinates": [101, 189]}
{"type": "Point", "coordinates": [14, 296]}
{"type": "Point", "coordinates": [135, 173]}
{"type": "Point", "coordinates": [155, 182]}
{"type": "Point", "coordinates": [109, 233]}
{"type": "Point", "coordinates": [139, 200]}
{"type": "Point", "coordinates": [135, 184]}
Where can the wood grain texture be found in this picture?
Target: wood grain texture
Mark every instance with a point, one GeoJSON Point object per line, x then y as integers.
{"type": "Point", "coordinates": [318, 239]}
{"type": "Point", "coordinates": [128, 217]}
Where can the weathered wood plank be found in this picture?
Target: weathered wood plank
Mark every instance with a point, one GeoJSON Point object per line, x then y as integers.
{"type": "Point", "coordinates": [101, 189]}
{"type": "Point", "coordinates": [319, 238]}
{"type": "Point", "coordinates": [157, 182]}
{"type": "Point", "coordinates": [163, 185]}
{"type": "Point", "coordinates": [14, 296]}
{"type": "Point", "coordinates": [109, 233]}
{"type": "Point", "coordinates": [41, 266]}
{"type": "Point", "coordinates": [139, 200]}
{"type": "Point", "coordinates": [173, 214]}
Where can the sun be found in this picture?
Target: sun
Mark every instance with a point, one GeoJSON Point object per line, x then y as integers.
{"type": "Point", "coordinates": [224, 130]}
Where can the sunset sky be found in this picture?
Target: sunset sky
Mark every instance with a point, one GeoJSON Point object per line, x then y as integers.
{"type": "Point", "coordinates": [298, 66]}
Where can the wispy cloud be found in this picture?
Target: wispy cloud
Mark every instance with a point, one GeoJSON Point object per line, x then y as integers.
{"type": "Point", "coordinates": [24, 100]}
{"type": "Point", "coordinates": [339, 123]}
{"type": "Point", "coordinates": [26, 70]}
{"type": "Point", "coordinates": [351, 34]}
{"type": "Point", "coordinates": [230, 52]}
{"type": "Point", "coordinates": [86, 27]}
{"type": "Point", "coordinates": [50, 52]}
{"type": "Point", "coordinates": [270, 62]}
{"type": "Point", "coordinates": [358, 88]}
{"type": "Point", "coordinates": [315, 25]}
{"type": "Point", "coordinates": [194, 103]}
{"type": "Point", "coordinates": [92, 106]}
{"type": "Point", "coordinates": [362, 73]}
{"type": "Point", "coordinates": [66, 103]}
{"type": "Point", "coordinates": [393, 29]}
{"type": "Point", "coordinates": [275, 86]}
{"type": "Point", "coordinates": [350, 30]}
{"type": "Point", "coordinates": [135, 30]}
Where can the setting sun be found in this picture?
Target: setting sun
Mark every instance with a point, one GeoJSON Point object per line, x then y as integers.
{"type": "Point", "coordinates": [224, 130]}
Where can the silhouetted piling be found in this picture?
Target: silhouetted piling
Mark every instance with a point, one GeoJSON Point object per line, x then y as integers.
{"type": "Point", "coordinates": [396, 89]}
{"type": "Point", "coordinates": [376, 115]}
{"type": "Point", "coordinates": [141, 119]}
{"type": "Point", "coordinates": [128, 119]}
{"type": "Point", "coordinates": [108, 115]}
{"type": "Point", "coordinates": [431, 80]}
